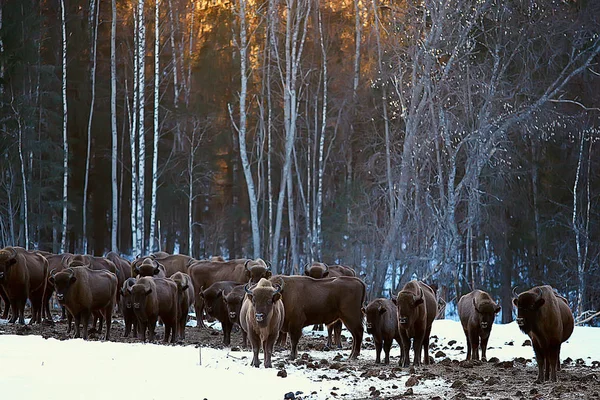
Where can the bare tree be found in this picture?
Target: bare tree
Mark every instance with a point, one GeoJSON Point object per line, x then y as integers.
{"type": "Point", "coordinates": [63, 243]}
{"type": "Point", "coordinates": [113, 120]}
{"type": "Point", "coordinates": [151, 240]}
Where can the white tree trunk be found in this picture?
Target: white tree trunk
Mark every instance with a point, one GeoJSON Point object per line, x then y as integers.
{"type": "Point", "coordinates": [94, 11]}
{"type": "Point", "coordinates": [141, 127]}
{"type": "Point", "coordinates": [292, 222]}
{"type": "Point", "coordinates": [63, 242]}
{"type": "Point", "coordinates": [113, 124]}
{"type": "Point", "coordinates": [24, 179]}
{"type": "Point", "coordinates": [191, 194]}
{"type": "Point", "coordinates": [135, 249]}
{"type": "Point", "coordinates": [151, 242]}
{"type": "Point", "coordinates": [577, 230]}
{"type": "Point", "coordinates": [243, 47]}
{"type": "Point", "coordinates": [176, 85]}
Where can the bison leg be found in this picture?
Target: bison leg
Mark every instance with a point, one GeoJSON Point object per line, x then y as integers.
{"type": "Point", "coordinates": [255, 342]}
{"type": "Point", "coordinates": [468, 345]}
{"type": "Point", "coordinates": [357, 334]}
{"type": "Point", "coordinates": [108, 317]}
{"type": "Point", "coordinates": [151, 330]}
{"type": "Point", "coordinates": [127, 325]}
{"type": "Point", "coordinates": [199, 309]}
{"type": "Point", "coordinates": [168, 333]}
{"type": "Point", "coordinates": [405, 348]}
{"type": "Point", "coordinates": [426, 345]}
{"type": "Point", "coordinates": [378, 347]}
{"type": "Point", "coordinates": [295, 336]}
{"type": "Point", "coordinates": [474, 339]}
{"type": "Point", "coordinates": [539, 356]}
{"type": "Point", "coordinates": [69, 322]}
{"type": "Point", "coordinates": [143, 325]}
{"type": "Point", "coordinates": [85, 320]}
{"type": "Point", "coordinates": [484, 343]}
{"type": "Point", "coordinates": [417, 348]}
{"type": "Point", "coordinates": [227, 332]}
{"type": "Point", "coordinates": [4, 297]}
{"type": "Point", "coordinates": [337, 333]}
{"type": "Point", "coordinates": [77, 319]}
{"type": "Point", "coordinates": [387, 346]}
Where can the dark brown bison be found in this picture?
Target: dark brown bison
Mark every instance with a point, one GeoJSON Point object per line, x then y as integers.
{"type": "Point", "coordinates": [233, 301]}
{"type": "Point", "coordinates": [382, 323]}
{"type": "Point", "coordinates": [311, 301]}
{"type": "Point", "coordinates": [215, 306]}
{"type": "Point", "coordinates": [153, 298]}
{"type": "Point", "coordinates": [417, 309]}
{"type": "Point", "coordinates": [56, 263]}
{"type": "Point", "coordinates": [185, 296]}
{"type": "Point", "coordinates": [477, 311]}
{"type": "Point", "coordinates": [206, 272]}
{"type": "Point", "coordinates": [23, 276]}
{"type": "Point", "coordinates": [150, 267]}
{"type": "Point", "coordinates": [319, 270]}
{"type": "Point", "coordinates": [261, 317]}
{"type": "Point", "coordinates": [129, 316]}
{"type": "Point", "coordinates": [92, 262]}
{"type": "Point", "coordinates": [83, 291]}
{"type": "Point", "coordinates": [547, 319]}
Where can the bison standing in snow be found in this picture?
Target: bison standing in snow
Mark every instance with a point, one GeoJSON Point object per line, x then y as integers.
{"type": "Point", "coordinates": [477, 311]}
{"type": "Point", "coordinates": [382, 323]}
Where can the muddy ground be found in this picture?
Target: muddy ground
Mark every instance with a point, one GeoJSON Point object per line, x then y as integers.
{"type": "Point", "coordinates": [455, 379]}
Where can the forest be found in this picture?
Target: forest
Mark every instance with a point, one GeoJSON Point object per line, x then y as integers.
{"type": "Point", "coordinates": [452, 141]}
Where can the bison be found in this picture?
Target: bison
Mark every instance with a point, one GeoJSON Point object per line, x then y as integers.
{"type": "Point", "coordinates": [547, 319]}
{"type": "Point", "coordinates": [319, 270]}
{"type": "Point", "coordinates": [56, 263]}
{"type": "Point", "coordinates": [382, 323]}
{"type": "Point", "coordinates": [84, 291]}
{"type": "Point", "coordinates": [261, 317]}
{"type": "Point", "coordinates": [23, 276]}
{"type": "Point", "coordinates": [150, 267]}
{"type": "Point", "coordinates": [185, 296]}
{"type": "Point", "coordinates": [171, 263]}
{"type": "Point", "coordinates": [215, 306]}
{"type": "Point", "coordinates": [477, 311]}
{"type": "Point", "coordinates": [206, 272]}
{"type": "Point", "coordinates": [233, 302]}
{"type": "Point", "coordinates": [153, 298]}
{"type": "Point", "coordinates": [311, 301]}
{"type": "Point", "coordinates": [129, 316]}
{"type": "Point", "coordinates": [417, 309]}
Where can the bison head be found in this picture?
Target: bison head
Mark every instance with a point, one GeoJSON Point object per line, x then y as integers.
{"type": "Point", "coordinates": [62, 282]}
{"type": "Point", "coordinates": [150, 267]}
{"type": "Point", "coordinates": [407, 303]}
{"type": "Point", "coordinates": [317, 270]}
{"type": "Point", "coordinates": [233, 301]}
{"type": "Point", "coordinates": [528, 306]}
{"type": "Point", "coordinates": [8, 258]}
{"type": "Point", "coordinates": [263, 296]}
{"type": "Point", "coordinates": [257, 269]}
{"type": "Point", "coordinates": [486, 310]}
{"type": "Point", "coordinates": [126, 293]}
{"type": "Point", "coordinates": [373, 312]}
{"type": "Point", "coordinates": [139, 294]}
{"type": "Point", "coordinates": [212, 296]}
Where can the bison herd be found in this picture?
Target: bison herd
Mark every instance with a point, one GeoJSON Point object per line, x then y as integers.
{"type": "Point", "coordinates": [267, 307]}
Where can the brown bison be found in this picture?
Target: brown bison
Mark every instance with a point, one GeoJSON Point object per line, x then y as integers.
{"type": "Point", "coordinates": [153, 298]}
{"type": "Point", "coordinates": [547, 319]}
{"type": "Point", "coordinates": [261, 317]}
{"type": "Point", "coordinates": [215, 306]}
{"type": "Point", "coordinates": [171, 263]}
{"type": "Point", "coordinates": [92, 262]}
{"type": "Point", "coordinates": [56, 263]}
{"type": "Point", "coordinates": [185, 296]}
{"type": "Point", "coordinates": [150, 267]}
{"type": "Point", "coordinates": [319, 270]}
{"type": "Point", "coordinates": [23, 276]}
{"type": "Point", "coordinates": [382, 323]}
{"type": "Point", "coordinates": [417, 309]}
{"type": "Point", "coordinates": [477, 311]}
{"type": "Point", "coordinates": [233, 302]}
{"type": "Point", "coordinates": [84, 291]}
{"type": "Point", "coordinates": [129, 316]}
{"type": "Point", "coordinates": [206, 272]}
{"type": "Point", "coordinates": [311, 301]}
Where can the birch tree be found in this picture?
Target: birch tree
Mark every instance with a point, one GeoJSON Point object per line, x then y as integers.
{"type": "Point", "coordinates": [151, 244]}
{"type": "Point", "coordinates": [93, 22]}
{"type": "Point", "coordinates": [63, 243]}
{"type": "Point", "coordinates": [141, 54]}
{"type": "Point", "coordinates": [242, 126]}
{"type": "Point", "coordinates": [113, 125]}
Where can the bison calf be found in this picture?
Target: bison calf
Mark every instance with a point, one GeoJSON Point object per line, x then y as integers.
{"type": "Point", "coordinates": [382, 323]}
{"type": "Point", "coordinates": [477, 311]}
{"type": "Point", "coordinates": [127, 306]}
{"type": "Point", "coordinates": [216, 308]}
{"type": "Point", "coordinates": [262, 317]}
{"type": "Point", "coordinates": [547, 319]}
{"type": "Point", "coordinates": [233, 302]}
{"type": "Point", "coordinates": [84, 291]}
{"type": "Point", "coordinates": [153, 298]}
{"type": "Point", "coordinates": [417, 309]}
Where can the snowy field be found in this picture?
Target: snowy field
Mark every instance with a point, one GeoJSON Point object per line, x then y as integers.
{"type": "Point", "coordinates": [37, 368]}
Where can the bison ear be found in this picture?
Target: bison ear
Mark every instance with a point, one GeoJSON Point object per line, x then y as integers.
{"type": "Point", "coordinates": [268, 274]}
{"type": "Point", "coordinates": [12, 261]}
{"type": "Point", "coordinates": [382, 311]}
{"type": "Point", "coordinates": [148, 291]}
{"type": "Point", "coordinates": [539, 303]}
{"type": "Point", "coordinates": [363, 310]}
{"type": "Point", "coordinates": [497, 309]}
{"type": "Point", "coordinates": [220, 293]}
{"type": "Point", "coordinates": [72, 279]}
{"type": "Point", "coordinates": [276, 296]}
{"type": "Point", "coordinates": [185, 287]}
{"type": "Point", "coordinates": [325, 274]}
{"type": "Point", "coordinates": [418, 301]}
{"type": "Point", "coordinates": [394, 300]}
{"type": "Point", "coordinates": [516, 301]}
{"type": "Point", "coordinates": [51, 279]}
{"type": "Point", "coordinates": [306, 272]}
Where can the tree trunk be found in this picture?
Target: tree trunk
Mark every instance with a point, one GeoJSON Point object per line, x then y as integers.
{"type": "Point", "coordinates": [113, 124]}
{"type": "Point", "coordinates": [141, 128]}
{"type": "Point", "coordinates": [135, 248]}
{"type": "Point", "coordinates": [176, 86]}
{"type": "Point", "coordinates": [63, 243]}
{"type": "Point", "coordinates": [24, 179]}
{"type": "Point", "coordinates": [151, 240]}
{"type": "Point", "coordinates": [94, 11]}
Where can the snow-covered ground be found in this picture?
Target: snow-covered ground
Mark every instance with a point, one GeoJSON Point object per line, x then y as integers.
{"type": "Point", "coordinates": [33, 367]}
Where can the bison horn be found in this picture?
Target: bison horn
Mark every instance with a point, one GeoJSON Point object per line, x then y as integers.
{"type": "Point", "coordinates": [306, 267]}
{"type": "Point", "coordinates": [514, 292]}
{"type": "Point", "coordinates": [268, 264]}
{"type": "Point", "coordinates": [12, 252]}
{"type": "Point", "coordinates": [539, 290]}
{"type": "Point", "coordinates": [326, 267]}
{"type": "Point", "coordinates": [246, 289]}
{"type": "Point", "coordinates": [246, 265]}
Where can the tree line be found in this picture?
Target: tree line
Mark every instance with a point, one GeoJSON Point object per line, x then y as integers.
{"type": "Point", "coordinates": [447, 140]}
